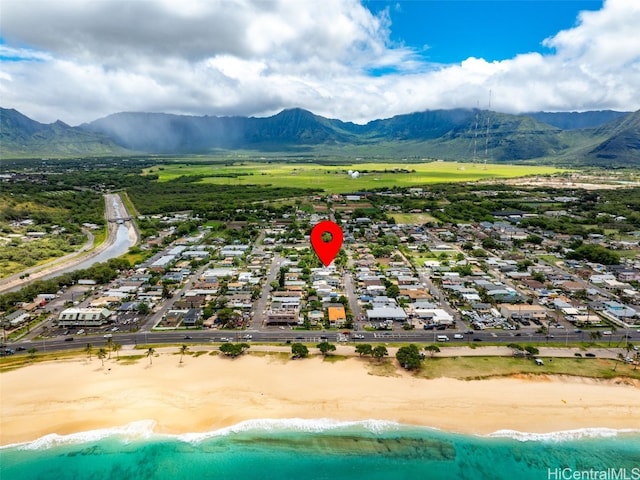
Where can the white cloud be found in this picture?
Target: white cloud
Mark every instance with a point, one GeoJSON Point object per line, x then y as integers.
{"type": "Point", "coordinates": [85, 59]}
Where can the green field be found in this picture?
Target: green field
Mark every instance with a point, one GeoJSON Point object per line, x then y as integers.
{"type": "Point", "coordinates": [413, 218]}
{"type": "Point", "coordinates": [335, 179]}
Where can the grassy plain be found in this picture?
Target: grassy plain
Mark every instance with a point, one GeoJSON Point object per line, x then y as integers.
{"type": "Point", "coordinates": [413, 218]}
{"type": "Point", "coordinates": [335, 179]}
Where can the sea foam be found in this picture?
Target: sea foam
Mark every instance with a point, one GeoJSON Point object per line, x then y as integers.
{"type": "Point", "coordinates": [139, 430]}
{"type": "Point", "coordinates": [564, 435]}
{"type": "Point", "coordinates": [292, 425]}
{"type": "Point", "coordinates": [144, 430]}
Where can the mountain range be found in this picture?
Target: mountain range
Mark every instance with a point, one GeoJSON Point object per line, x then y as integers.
{"type": "Point", "coordinates": [591, 138]}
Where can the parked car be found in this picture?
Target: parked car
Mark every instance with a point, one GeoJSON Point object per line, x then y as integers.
{"type": "Point", "coordinates": [591, 355]}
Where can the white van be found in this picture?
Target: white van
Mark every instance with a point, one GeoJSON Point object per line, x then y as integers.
{"type": "Point", "coordinates": [442, 338]}
{"type": "Point", "coordinates": [539, 361]}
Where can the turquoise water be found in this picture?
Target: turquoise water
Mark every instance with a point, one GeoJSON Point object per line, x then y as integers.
{"type": "Point", "coordinates": [320, 450]}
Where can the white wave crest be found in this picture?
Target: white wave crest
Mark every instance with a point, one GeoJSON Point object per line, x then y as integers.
{"type": "Point", "coordinates": [561, 436]}
{"type": "Point", "coordinates": [142, 429]}
{"type": "Point", "coordinates": [291, 425]}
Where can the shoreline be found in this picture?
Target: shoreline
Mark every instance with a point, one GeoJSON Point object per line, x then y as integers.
{"type": "Point", "coordinates": [211, 393]}
{"type": "Point", "coordinates": [144, 430]}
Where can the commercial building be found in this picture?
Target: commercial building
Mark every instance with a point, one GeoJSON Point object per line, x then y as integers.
{"type": "Point", "coordinates": [83, 317]}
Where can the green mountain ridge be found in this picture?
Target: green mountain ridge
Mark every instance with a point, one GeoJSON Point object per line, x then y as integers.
{"type": "Point", "coordinates": [20, 136]}
{"type": "Point", "coordinates": [456, 134]}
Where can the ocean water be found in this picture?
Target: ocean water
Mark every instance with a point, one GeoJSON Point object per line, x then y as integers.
{"type": "Point", "coordinates": [323, 449]}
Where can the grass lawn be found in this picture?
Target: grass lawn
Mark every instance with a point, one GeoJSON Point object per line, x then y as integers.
{"type": "Point", "coordinates": [469, 368]}
{"type": "Point", "coordinates": [414, 218]}
{"type": "Point", "coordinates": [335, 179]}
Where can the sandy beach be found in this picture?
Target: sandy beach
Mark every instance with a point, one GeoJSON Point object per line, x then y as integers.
{"type": "Point", "coordinates": [209, 392]}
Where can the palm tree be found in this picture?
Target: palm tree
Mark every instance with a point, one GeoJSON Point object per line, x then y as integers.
{"type": "Point", "coordinates": [32, 353]}
{"type": "Point", "coordinates": [183, 349]}
{"type": "Point", "coordinates": [637, 360]}
{"type": "Point", "coordinates": [109, 346]}
{"type": "Point", "coordinates": [102, 353]}
{"type": "Point", "coordinates": [621, 358]}
{"type": "Point", "coordinates": [88, 349]}
{"type": "Point", "coordinates": [150, 354]}
{"type": "Point", "coordinates": [595, 335]}
{"type": "Point", "coordinates": [116, 347]}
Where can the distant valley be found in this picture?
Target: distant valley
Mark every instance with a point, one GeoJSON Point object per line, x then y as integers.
{"type": "Point", "coordinates": [604, 138]}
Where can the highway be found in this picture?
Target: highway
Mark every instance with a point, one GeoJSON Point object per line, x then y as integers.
{"type": "Point", "coordinates": [122, 235]}
{"type": "Point", "coordinates": [278, 335]}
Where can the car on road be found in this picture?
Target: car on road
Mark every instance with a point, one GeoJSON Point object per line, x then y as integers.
{"type": "Point", "coordinates": [247, 337]}
{"type": "Point", "coordinates": [188, 337]}
{"type": "Point", "coordinates": [358, 336]}
{"type": "Point", "coordinates": [477, 339]}
{"type": "Point", "coordinates": [458, 336]}
{"type": "Point", "coordinates": [607, 332]}
{"type": "Point", "coordinates": [68, 339]}
{"type": "Point", "coordinates": [22, 349]}
{"type": "Point", "coordinates": [108, 335]}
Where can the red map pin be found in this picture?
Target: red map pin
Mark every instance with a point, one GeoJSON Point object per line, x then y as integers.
{"type": "Point", "coordinates": [326, 251]}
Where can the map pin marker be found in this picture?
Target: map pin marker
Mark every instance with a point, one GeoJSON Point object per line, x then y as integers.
{"type": "Point", "coordinates": [326, 251]}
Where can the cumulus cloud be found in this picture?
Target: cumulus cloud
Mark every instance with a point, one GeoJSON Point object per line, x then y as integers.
{"type": "Point", "coordinates": [78, 60]}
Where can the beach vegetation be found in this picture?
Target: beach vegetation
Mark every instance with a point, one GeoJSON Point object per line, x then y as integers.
{"type": "Point", "coordinates": [364, 349]}
{"type": "Point", "coordinates": [409, 357]}
{"type": "Point", "coordinates": [102, 354]}
{"type": "Point", "coordinates": [432, 349]}
{"type": "Point", "coordinates": [531, 350]}
{"type": "Point", "coordinates": [379, 352]}
{"type": "Point", "coordinates": [150, 353]}
{"type": "Point", "coordinates": [183, 349]}
{"type": "Point", "coordinates": [88, 350]}
{"type": "Point", "coordinates": [299, 350]}
{"type": "Point", "coordinates": [233, 350]}
{"type": "Point", "coordinates": [326, 347]}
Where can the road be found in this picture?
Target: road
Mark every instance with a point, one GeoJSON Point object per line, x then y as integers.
{"type": "Point", "coordinates": [259, 318]}
{"type": "Point", "coordinates": [283, 336]}
{"type": "Point", "coordinates": [115, 212]}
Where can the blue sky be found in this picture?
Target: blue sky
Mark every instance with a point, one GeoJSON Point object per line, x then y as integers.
{"type": "Point", "coordinates": [357, 60]}
{"type": "Point", "coordinates": [454, 30]}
